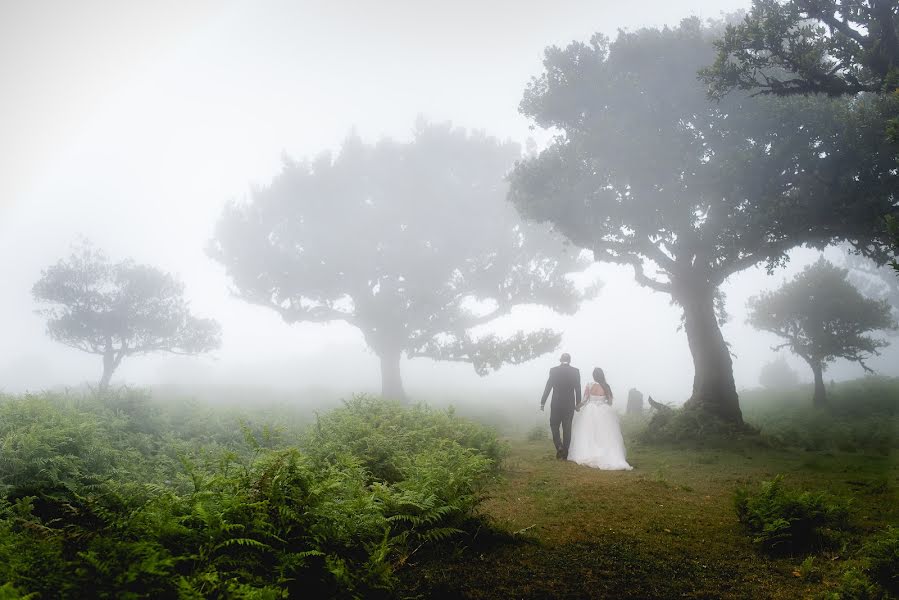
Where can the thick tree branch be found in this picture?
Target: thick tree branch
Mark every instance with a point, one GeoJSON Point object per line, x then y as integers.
{"type": "Point", "coordinates": [654, 252]}
{"type": "Point", "coordinates": [295, 313]}
{"type": "Point", "coordinates": [85, 347]}
{"type": "Point", "coordinates": [841, 26]}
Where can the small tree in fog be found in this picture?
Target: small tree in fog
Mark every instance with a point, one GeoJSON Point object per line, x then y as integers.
{"type": "Point", "coordinates": [647, 172]}
{"type": "Point", "coordinates": [119, 309]}
{"type": "Point", "coordinates": [822, 317]}
{"type": "Point", "coordinates": [412, 243]}
{"type": "Point", "coordinates": [777, 374]}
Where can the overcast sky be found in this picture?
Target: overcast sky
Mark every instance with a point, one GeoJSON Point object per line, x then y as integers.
{"type": "Point", "coordinates": [132, 123]}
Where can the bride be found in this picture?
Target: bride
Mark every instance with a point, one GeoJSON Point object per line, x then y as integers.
{"type": "Point", "coordinates": [596, 434]}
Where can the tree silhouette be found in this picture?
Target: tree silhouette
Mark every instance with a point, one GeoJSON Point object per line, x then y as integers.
{"type": "Point", "coordinates": [822, 317]}
{"type": "Point", "coordinates": [647, 172]}
{"type": "Point", "coordinates": [412, 243]}
{"type": "Point", "coordinates": [119, 309]}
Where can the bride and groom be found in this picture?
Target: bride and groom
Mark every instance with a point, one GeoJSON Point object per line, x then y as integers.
{"type": "Point", "coordinates": [593, 437]}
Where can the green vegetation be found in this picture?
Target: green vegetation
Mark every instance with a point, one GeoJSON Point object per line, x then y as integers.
{"type": "Point", "coordinates": [862, 416]}
{"type": "Point", "coordinates": [781, 519]}
{"type": "Point", "coordinates": [133, 496]}
{"type": "Point", "coordinates": [669, 528]}
{"type": "Point", "coordinates": [882, 556]}
{"type": "Point", "coordinates": [114, 498]}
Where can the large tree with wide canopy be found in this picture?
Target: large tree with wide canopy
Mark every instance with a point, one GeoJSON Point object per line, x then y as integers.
{"type": "Point", "coordinates": [412, 243]}
{"type": "Point", "coordinates": [645, 171]}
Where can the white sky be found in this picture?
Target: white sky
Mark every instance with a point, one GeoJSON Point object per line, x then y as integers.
{"type": "Point", "coordinates": [131, 123]}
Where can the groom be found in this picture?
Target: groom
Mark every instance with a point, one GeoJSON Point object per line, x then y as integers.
{"type": "Point", "coordinates": [565, 383]}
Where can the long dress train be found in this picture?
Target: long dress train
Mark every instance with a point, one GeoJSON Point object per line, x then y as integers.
{"type": "Point", "coordinates": [596, 439]}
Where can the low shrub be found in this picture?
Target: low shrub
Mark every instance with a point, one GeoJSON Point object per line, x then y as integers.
{"type": "Point", "coordinates": [383, 435]}
{"type": "Point", "coordinates": [782, 520]}
{"type": "Point", "coordinates": [855, 585]}
{"type": "Point", "coordinates": [882, 559]}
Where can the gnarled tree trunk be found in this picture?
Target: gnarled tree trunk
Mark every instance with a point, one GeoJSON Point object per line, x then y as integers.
{"type": "Point", "coordinates": [714, 390]}
{"type": "Point", "coordinates": [391, 378]}
{"type": "Point", "coordinates": [109, 365]}
{"type": "Point", "coordinates": [820, 398]}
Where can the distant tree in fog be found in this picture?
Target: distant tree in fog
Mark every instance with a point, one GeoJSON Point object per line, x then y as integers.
{"type": "Point", "coordinates": [777, 374]}
{"type": "Point", "coordinates": [412, 243]}
{"type": "Point", "coordinates": [119, 309]}
{"type": "Point", "coordinates": [648, 172]}
{"type": "Point", "coordinates": [822, 317]}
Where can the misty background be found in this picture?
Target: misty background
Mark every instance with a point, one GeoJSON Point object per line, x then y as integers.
{"type": "Point", "coordinates": [133, 124]}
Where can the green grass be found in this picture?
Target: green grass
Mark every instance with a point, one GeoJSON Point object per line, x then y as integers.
{"type": "Point", "coordinates": [666, 529]}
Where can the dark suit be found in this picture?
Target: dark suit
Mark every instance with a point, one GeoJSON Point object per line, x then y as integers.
{"type": "Point", "coordinates": [565, 383]}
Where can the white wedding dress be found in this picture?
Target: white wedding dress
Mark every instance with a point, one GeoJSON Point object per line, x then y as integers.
{"type": "Point", "coordinates": [596, 437]}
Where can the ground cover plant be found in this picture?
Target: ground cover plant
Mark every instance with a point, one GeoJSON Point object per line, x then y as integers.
{"type": "Point", "coordinates": [108, 497]}
{"type": "Point", "coordinates": [133, 496]}
{"type": "Point", "coordinates": [785, 520]}
{"type": "Point", "coordinates": [863, 416]}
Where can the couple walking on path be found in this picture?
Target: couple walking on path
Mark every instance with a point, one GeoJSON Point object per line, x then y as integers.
{"type": "Point", "coordinates": [593, 436]}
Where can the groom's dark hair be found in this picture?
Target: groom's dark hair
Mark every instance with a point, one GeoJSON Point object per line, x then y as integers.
{"type": "Point", "coordinates": [565, 358]}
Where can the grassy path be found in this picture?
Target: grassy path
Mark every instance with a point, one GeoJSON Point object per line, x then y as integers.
{"type": "Point", "coordinates": [667, 529]}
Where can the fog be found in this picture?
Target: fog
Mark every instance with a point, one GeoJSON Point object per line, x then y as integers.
{"type": "Point", "coordinates": [133, 124]}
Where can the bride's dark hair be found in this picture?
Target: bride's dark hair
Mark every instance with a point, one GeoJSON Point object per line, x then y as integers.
{"type": "Point", "coordinates": [600, 378]}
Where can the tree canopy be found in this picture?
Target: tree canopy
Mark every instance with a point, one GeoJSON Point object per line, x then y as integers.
{"type": "Point", "coordinates": [647, 172]}
{"type": "Point", "coordinates": [893, 232]}
{"type": "Point", "coordinates": [412, 243]}
{"type": "Point", "coordinates": [822, 317]}
{"type": "Point", "coordinates": [119, 309]}
{"type": "Point", "coordinates": [833, 47]}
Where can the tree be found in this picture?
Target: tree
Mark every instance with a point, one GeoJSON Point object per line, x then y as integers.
{"type": "Point", "coordinates": [822, 317]}
{"type": "Point", "coordinates": [119, 309]}
{"type": "Point", "coordinates": [647, 172]}
{"type": "Point", "coordinates": [833, 47]}
{"type": "Point", "coordinates": [412, 243]}
{"type": "Point", "coordinates": [777, 374]}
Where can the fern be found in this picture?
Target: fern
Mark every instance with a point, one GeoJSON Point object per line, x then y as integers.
{"type": "Point", "coordinates": [121, 496]}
